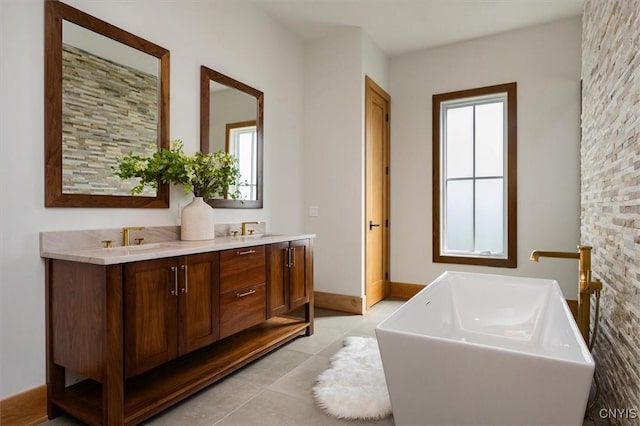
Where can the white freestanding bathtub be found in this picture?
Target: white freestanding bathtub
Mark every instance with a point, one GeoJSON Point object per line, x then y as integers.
{"type": "Point", "coordinates": [477, 349]}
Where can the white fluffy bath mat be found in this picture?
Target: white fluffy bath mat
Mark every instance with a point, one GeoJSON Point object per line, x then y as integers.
{"type": "Point", "coordinates": [354, 387]}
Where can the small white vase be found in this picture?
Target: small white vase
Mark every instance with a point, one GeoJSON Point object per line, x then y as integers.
{"type": "Point", "coordinates": [196, 221]}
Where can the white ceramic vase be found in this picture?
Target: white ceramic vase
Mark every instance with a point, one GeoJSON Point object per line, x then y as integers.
{"type": "Point", "coordinates": [196, 221]}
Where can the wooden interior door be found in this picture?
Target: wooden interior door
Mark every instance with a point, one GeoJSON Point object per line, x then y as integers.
{"type": "Point", "coordinates": [197, 325]}
{"type": "Point", "coordinates": [377, 104]}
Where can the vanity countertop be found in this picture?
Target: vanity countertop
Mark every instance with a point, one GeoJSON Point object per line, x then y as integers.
{"type": "Point", "coordinates": [121, 254]}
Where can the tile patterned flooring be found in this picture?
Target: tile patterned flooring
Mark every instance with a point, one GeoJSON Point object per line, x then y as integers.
{"type": "Point", "coordinates": [276, 390]}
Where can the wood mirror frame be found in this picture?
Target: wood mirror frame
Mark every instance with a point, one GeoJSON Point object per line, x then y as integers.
{"type": "Point", "coordinates": [206, 76]}
{"type": "Point", "coordinates": [55, 13]}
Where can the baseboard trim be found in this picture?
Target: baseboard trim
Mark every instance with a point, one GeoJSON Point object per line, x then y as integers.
{"type": "Point", "coordinates": [404, 291]}
{"type": "Point", "coordinates": [339, 302]}
{"type": "Point", "coordinates": [25, 409]}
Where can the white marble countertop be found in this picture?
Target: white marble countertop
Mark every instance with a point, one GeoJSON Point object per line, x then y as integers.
{"type": "Point", "coordinates": [171, 248]}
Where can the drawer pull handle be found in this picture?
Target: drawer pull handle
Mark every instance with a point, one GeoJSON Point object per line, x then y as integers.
{"type": "Point", "coordinates": [242, 253]}
{"type": "Point", "coordinates": [246, 293]}
{"type": "Point", "coordinates": [174, 292]}
{"type": "Point", "coordinates": [186, 279]}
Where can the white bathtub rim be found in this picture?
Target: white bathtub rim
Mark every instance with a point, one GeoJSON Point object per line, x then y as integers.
{"type": "Point", "coordinates": [589, 361]}
{"type": "Point", "coordinates": [587, 358]}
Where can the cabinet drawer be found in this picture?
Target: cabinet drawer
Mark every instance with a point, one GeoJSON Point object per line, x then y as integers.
{"type": "Point", "coordinates": [241, 309]}
{"type": "Point", "coordinates": [240, 268]}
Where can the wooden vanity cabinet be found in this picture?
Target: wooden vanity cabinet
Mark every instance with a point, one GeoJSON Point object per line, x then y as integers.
{"type": "Point", "coordinates": [148, 334]}
{"type": "Point", "coordinates": [290, 276]}
{"type": "Point", "coordinates": [170, 309]}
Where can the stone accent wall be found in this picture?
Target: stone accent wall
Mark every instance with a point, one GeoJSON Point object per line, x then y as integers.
{"type": "Point", "coordinates": [610, 219]}
{"type": "Point", "coordinates": [109, 110]}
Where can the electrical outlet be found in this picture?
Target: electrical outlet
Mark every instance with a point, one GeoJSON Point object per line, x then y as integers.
{"type": "Point", "coordinates": [313, 211]}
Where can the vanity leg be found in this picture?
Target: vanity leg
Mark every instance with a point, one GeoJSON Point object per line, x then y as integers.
{"type": "Point", "coordinates": [308, 315]}
{"type": "Point", "coordinates": [112, 403]}
{"type": "Point", "coordinates": [309, 307]}
{"type": "Point", "coordinates": [113, 381]}
{"type": "Point", "coordinates": [55, 387]}
{"type": "Point", "coordinates": [55, 373]}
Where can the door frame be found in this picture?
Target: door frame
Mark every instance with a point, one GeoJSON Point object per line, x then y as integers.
{"type": "Point", "coordinates": [372, 87]}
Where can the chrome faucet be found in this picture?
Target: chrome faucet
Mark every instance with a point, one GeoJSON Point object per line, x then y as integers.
{"type": "Point", "coordinates": [125, 233]}
{"type": "Point", "coordinates": [244, 227]}
{"type": "Point", "coordinates": [587, 285]}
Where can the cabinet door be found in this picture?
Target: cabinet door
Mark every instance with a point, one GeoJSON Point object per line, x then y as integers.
{"type": "Point", "coordinates": [300, 272]}
{"type": "Point", "coordinates": [198, 316]}
{"type": "Point", "coordinates": [278, 265]}
{"type": "Point", "coordinates": [150, 314]}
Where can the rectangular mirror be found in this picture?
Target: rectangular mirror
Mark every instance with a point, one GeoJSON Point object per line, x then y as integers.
{"type": "Point", "coordinates": [107, 94]}
{"type": "Point", "coordinates": [231, 120]}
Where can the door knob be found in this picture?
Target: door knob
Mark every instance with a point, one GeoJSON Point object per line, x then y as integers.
{"type": "Point", "coordinates": [373, 225]}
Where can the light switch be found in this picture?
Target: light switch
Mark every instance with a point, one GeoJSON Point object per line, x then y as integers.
{"type": "Point", "coordinates": [313, 211]}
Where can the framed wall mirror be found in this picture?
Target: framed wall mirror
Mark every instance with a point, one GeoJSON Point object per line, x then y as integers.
{"type": "Point", "coordinates": [231, 120]}
{"type": "Point", "coordinates": [106, 94]}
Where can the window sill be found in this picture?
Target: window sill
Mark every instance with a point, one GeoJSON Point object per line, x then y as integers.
{"type": "Point", "coordinates": [479, 261]}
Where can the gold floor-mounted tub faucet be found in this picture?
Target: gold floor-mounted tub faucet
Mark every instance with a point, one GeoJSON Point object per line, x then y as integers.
{"type": "Point", "coordinates": [587, 285]}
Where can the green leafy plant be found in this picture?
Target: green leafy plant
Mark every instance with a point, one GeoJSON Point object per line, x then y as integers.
{"type": "Point", "coordinates": [204, 175]}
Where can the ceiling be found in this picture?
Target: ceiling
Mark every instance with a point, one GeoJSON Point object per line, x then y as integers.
{"type": "Point", "coordinates": [400, 26]}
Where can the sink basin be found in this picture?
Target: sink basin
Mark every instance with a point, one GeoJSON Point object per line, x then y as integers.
{"type": "Point", "coordinates": [142, 247]}
{"type": "Point", "coordinates": [480, 349]}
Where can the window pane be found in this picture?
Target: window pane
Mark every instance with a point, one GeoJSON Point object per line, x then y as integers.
{"type": "Point", "coordinates": [490, 216]}
{"type": "Point", "coordinates": [245, 156]}
{"type": "Point", "coordinates": [459, 215]}
{"type": "Point", "coordinates": [489, 139]}
{"type": "Point", "coordinates": [459, 142]}
{"type": "Point", "coordinates": [247, 192]}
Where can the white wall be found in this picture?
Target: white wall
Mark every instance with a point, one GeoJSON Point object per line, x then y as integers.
{"type": "Point", "coordinates": [226, 107]}
{"type": "Point", "coordinates": [375, 64]}
{"type": "Point", "coordinates": [262, 55]}
{"type": "Point", "coordinates": [545, 62]}
{"type": "Point", "coordinates": [332, 159]}
{"type": "Point", "coordinates": [335, 67]}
